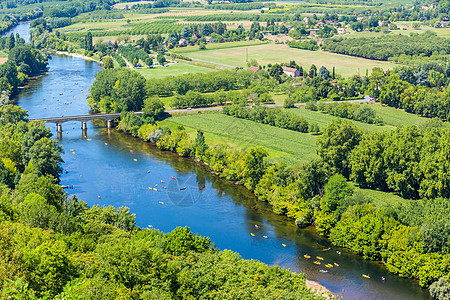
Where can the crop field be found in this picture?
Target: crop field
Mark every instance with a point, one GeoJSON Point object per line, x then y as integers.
{"type": "Point", "coordinates": [270, 53]}
{"type": "Point", "coordinates": [283, 145]}
{"type": "Point", "coordinates": [398, 117]}
{"type": "Point", "coordinates": [173, 70]}
{"type": "Point", "coordinates": [323, 119]}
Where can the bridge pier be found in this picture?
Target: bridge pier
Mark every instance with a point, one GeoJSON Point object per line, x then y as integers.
{"type": "Point", "coordinates": [108, 124]}
{"type": "Point", "coordinates": [83, 126]}
{"type": "Point", "coordinates": [59, 127]}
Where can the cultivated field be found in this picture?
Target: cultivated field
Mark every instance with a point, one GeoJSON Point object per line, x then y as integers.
{"type": "Point", "coordinates": [323, 119]}
{"type": "Point", "coordinates": [283, 145]}
{"type": "Point", "coordinates": [271, 53]}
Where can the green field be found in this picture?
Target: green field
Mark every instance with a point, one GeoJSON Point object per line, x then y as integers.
{"type": "Point", "coordinates": [397, 117]}
{"type": "Point", "coordinates": [323, 119]}
{"type": "Point", "coordinates": [283, 145]}
{"type": "Point", "coordinates": [173, 70]}
{"type": "Point", "coordinates": [278, 53]}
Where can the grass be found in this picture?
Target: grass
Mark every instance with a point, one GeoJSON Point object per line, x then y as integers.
{"type": "Point", "coordinates": [397, 117]}
{"type": "Point", "coordinates": [173, 70]}
{"type": "Point", "coordinates": [323, 119]}
{"type": "Point", "coordinates": [278, 53]}
{"type": "Point", "coordinates": [283, 145]}
{"type": "Point", "coordinates": [382, 200]}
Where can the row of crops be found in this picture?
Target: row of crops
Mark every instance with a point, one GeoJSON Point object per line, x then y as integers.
{"type": "Point", "coordinates": [156, 28]}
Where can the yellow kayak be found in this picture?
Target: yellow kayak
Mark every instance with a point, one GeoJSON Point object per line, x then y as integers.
{"type": "Point", "coordinates": [329, 265]}
{"type": "Point", "coordinates": [336, 264]}
{"type": "Point", "coordinates": [307, 256]}
{"type": "Point", "coordinates": [73, 152]}
{"type": "Point", "coordinates": [252, 234]}
{"type": "Point", "coordinates": [318, 257]}
{"type": "Point", "coordinates": [283, 245]}
{"type": "Point", "coordinates": [89, 139]}
{"type": "Point", "coordinates": [150, 188]}
{"type": "Point", "coordinates": [155, 189]}
{"type": "Point", "coordinates": [317, 262]}
{"type": "Point", "coordinates": [366, 276]}
{"type": "Point", "coordinates": [135, 159]}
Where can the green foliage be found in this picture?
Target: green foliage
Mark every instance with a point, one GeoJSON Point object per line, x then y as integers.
{"type": "Point", "coordinates": [339, 138]}
{"type": "Point", "coordinates": [357, 112]}
{"type": "Point", "coordinates": [116, 90]}
{"type": "Point", "coordinates": [440, 289]}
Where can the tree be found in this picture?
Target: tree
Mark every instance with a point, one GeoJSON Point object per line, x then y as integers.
{"type": "Point", "coordinates": [11, 41]}
{"type": "Point", "coordinates": [200, 146]}
{"type": "Point", "coordinates": [153, 108]}
{"type": "Point", "coordinates": [161, 59]}
{"type": "Point", "coordinates": [186, 32]}
{"type": "Point", "coordinates": [323, 72]}
{"type": "Point", "coordinates": [339, 138]}
{"type": "Point", "coordinates": [336, 190]}
{"type": "Point", "coordinates": [108, 63]}
{"type": "Point", "coordinates": [440, 290]}
{"type": "Point", "coordinates": [45, 157]}
{"type": "Point", "coordinates": [88, 45]}
{"type": "Point", "coordinates": [254, 166]}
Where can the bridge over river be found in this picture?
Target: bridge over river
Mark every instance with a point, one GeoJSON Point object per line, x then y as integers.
{"type": "Point", "coordinates": [82, 118]}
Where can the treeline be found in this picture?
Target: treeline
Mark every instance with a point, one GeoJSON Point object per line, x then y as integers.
{"type": "Point", "coordinates": [23, 61]}
{"type": "Point", "coordinates": [425, 101]}
{"type": "Point", "coordinates": [273, 117]}
{"type": "Point", "coordinates": [390, 46]}
{"type": "Point", "coordinates": [357, 112]}
{"type": "Point", "coordinates": [56, 247]}
{"type": "Point", "coordinates": [196, 99]}
{"type": "Point", "coordinates": [307, 45]}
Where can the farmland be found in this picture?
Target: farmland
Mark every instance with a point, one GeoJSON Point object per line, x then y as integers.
{"type": "Point", "coordinates": [277, 53]}
{"type": "Point", "coordinates": [282, 145]}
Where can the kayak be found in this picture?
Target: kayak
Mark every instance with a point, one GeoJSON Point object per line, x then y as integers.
{"type": "Point", "coordinates": [317, 262]}
{"type": "Point", "coordinates": [366, 276]}
{"type": "Point", "coordinates": [307, 256]}
{"type": "Point", "coordinates": [252, 234]}
{"type": "Point", "coordinates": [318, 257]}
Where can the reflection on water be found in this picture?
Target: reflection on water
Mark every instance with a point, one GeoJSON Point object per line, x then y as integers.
{"type": "Point", "coordinates": [104, 171]}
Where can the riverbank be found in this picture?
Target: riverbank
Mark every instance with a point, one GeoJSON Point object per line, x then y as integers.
{"type": "Point", "coordinates": [319, 289]}
{"type": "Point", "coordinates": [77, 55]}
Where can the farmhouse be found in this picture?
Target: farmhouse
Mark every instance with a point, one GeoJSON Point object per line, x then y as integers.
{"type": "Point", "coordinates": [313, 32]}
{"type": "Point", "coordinates": [182, 42]}
{"type": "Point", "coordinates": [254, 69]}
{"type": "Point", "coordinates": [291, 72]}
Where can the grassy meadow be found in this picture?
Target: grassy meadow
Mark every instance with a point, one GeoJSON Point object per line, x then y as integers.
{"type": "Point", "coordinates": [179, 68]}
{"type": "Point", "coordinates": [283, 145]}
{"type": "Point", "coordinates": [278, 53]}
{"type": "Point", "coordinates": [323, 119]}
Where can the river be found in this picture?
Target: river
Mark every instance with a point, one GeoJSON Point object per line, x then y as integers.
{"type": "Point", "coordinates": [106, 167]}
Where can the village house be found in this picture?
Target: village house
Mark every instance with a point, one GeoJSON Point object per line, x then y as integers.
{"type": "Point", "coordinates": [341, 31]}
{"type": "Point", "coordinates": [182, 42]}
{"type": "Point", "coordinates": [254, 69]}
{"type": "Point", "coordinates": [209, 39]}
{"type": "Point", "coordinates": [291, 72]}
{"type": "Point", "coordinates": [313, 32]}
